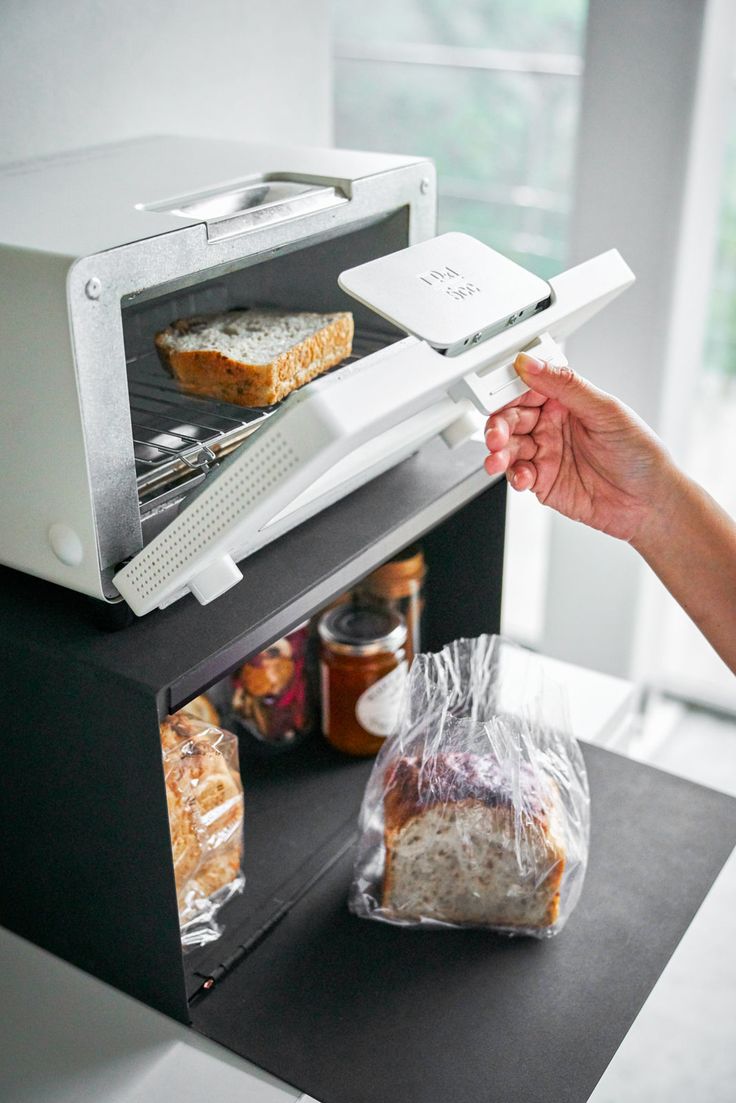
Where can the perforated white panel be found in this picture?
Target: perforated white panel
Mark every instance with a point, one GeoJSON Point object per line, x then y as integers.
{"type": "Point", "coordinates": [255, 469]}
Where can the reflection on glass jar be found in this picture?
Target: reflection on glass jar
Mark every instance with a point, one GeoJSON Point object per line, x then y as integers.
{"type": "Point", "coordinates": [398, 585]}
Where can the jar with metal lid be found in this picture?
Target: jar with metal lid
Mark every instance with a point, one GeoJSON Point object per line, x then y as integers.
{"type": "Point", "coordinates": [362, 672]}
{"type": "Point", "coordinates": [398, 585]}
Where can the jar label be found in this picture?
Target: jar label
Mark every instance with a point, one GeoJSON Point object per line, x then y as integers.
{"type": "Point", "coordinates": [377, 708]}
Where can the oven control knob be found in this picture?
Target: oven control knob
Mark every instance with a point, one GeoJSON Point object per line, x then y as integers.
{"type": "Point", "coordinates": [215, 579]}
{"type": "Point", "coordinates": [66, 544]}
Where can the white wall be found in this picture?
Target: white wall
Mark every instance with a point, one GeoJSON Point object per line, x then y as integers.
{"type": "Point", "coordinates": [80, 72]}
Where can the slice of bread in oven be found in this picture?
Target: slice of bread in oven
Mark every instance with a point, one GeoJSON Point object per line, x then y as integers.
{"type": "Point", "coordinates": [253, 357]}
{"type": "Point", "coordinates": [460, 850]}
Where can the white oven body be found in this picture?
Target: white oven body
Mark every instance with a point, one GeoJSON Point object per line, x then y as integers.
{"type": "Point", "coordinates": [88, 237]}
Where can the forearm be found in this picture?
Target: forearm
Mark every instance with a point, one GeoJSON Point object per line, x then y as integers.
{"type": "Point", "coordinates": [690, 543]}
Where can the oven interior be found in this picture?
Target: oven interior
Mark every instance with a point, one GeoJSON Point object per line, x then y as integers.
{"type": "Point", "coordinates": [178, 440]}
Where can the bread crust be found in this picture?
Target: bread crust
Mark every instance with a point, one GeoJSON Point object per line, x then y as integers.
{"type": "Point", "coordinates": [208, 373]}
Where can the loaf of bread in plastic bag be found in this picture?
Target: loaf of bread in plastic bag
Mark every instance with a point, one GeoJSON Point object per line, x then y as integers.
{"type": "Point", "coordinates": [451, 845]}
{"type": "Point", "coordinates": [204, 796]}
{"type": "Point", "coordinates": [477, 811]}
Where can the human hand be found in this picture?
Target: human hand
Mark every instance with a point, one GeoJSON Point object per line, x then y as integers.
{"type": "Point", "coordinates": [581, 451]}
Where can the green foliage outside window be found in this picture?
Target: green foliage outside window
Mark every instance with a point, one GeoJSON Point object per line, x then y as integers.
{"type": "Point", "coordinates": [547, 26]}
{"type": "Point", "coordinates": [503, 141]}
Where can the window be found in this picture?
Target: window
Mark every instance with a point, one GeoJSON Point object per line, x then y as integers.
{"type": "Point", "coordinates": [489, 91]}
{"type": "Point", "coordinates": [686, 664]}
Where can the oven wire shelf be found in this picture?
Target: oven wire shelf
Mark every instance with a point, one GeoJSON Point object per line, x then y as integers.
{"type": "Point", "coordinates": [177, 438]}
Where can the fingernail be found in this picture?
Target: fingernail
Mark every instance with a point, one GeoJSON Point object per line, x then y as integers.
{"type": "Point", "coordinates": [529, 363]}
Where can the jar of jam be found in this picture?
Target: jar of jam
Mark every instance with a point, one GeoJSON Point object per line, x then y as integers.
{"type": "Point", "coordinates": [362, 673]}
{"type": "Point", "coordinates": [398, 585]}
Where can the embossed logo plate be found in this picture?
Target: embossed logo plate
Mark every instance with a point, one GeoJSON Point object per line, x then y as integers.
{"type": "Point", "coordinates": [451, 291]}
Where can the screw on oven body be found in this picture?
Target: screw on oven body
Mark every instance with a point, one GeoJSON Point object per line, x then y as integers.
{"type": "Point", "coordinates": [92, 288]}
{"type": "Point", "coordinates": [424, 185]}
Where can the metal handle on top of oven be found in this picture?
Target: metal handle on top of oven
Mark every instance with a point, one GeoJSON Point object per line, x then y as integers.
{"type": "Point", "coordinates": [255, 202]}
{"type": "Point", "coordinates": [281, 210]}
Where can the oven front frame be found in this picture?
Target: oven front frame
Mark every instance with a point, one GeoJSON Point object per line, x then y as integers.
{"type": "Point", "coordinates": [98, 286]}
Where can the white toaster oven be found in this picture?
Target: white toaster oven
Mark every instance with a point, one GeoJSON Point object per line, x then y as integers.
{"type": "Point", "coordinates": [119, 485]}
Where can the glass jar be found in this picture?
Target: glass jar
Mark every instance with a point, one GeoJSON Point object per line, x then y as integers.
{"type": "Point", "coordinates": [398, 585]}
{"type": "Point", "coordinates": [271, 707]}
{"type": "Point", "coordinates": [362, 673]}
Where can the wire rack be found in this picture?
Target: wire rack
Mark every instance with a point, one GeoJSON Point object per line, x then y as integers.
{"type": "Point", "coordinates": [178, 438]}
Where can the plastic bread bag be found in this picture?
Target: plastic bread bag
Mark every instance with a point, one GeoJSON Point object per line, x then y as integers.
{"type": "Point", "coordinates": [477, 811]}
{"type": "Point", "coordinates": [204, 795]}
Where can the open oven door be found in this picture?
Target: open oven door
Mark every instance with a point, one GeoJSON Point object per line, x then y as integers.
{"type": "Point", "coordinates": [345, 428]}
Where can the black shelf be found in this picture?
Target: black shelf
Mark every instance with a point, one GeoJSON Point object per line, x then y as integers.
{"type": "Point", "coordinates": [82, 707]}
{"type": "Point", "coordinates": [301, 806]}
{"type": "Point", "coordinates": [352, 1011]}
{"type": "Point", "coordinates": [179, 652]}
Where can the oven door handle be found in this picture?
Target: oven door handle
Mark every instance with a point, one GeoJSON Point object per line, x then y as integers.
{"type": "Point", "coordinates": [490, 391]}
{"type": "Point", "coordinates": [394, 399]}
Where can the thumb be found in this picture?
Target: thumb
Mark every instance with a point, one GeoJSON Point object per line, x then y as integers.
{"type": "Point", "coordinates": [572, 391]}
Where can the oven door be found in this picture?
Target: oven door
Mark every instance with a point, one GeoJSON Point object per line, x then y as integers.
{"type": "Point", "coordinates": [345, 428]}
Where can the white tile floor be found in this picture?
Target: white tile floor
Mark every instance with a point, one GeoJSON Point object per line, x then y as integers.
{"type": "Point", "coordinates": [690, 1003]}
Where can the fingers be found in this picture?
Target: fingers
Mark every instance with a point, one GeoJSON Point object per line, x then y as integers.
{"type": "Point", "coordinates": [522, 475]}
{"type": "Point", "coordinates": [518, 449]}
{"type": "Point", "coordinates": [510, 443]}
{"type": "Point", "coordinates": [580, 397]}
{"type": "Point", "coordinates": [508, 422]}
{"type": "Point", "coordinates": [497, 462]}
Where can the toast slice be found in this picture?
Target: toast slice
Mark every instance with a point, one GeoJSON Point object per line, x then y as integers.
{"type": "Point", "coordinates": [253, 357]}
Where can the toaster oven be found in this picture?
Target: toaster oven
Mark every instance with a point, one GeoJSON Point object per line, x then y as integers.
{"type": "Point", "coordinates": [116, 483]}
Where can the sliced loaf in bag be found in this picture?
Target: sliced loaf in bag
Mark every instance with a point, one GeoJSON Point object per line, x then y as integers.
{"type": "Point", "coordinates": [459, 850]}
{"type": "Point", "coordinates": [253, 357]}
